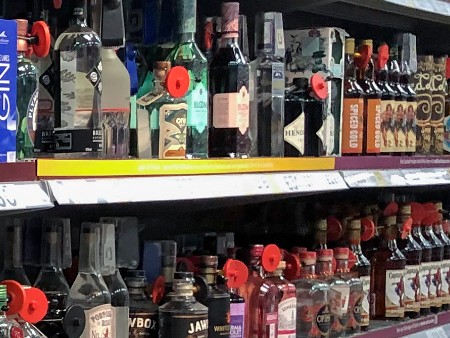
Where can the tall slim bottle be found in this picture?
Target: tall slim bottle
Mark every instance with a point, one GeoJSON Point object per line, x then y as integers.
{"type": "Point", "coordinates": [89, 289]}
{"type": "Point", "coordinates": [229, 90]}
{"type": "Point", "coordinates": [267, 96]}
{"type": "Point", "coordinates": [78, 131]}
{"type": "Point", "coordinates": [411, 107]}
{"type": "Point", "coordinates": [186, 53]}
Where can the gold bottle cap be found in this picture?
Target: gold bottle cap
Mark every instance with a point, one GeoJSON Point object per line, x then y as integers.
{"type": "Point", "coordinates": [321, 225]}
{"type": "Point", "coordinates": [391, 220]}
{"type": "Point", "coordinates": [355, 224]}
{"type": "Point", "coordinates": [405, 210]}
{"type": "Point", "coordinates": [281, 265]}
{"type": "Point", "coordinates": [438, 205]}
{"type": "Point", "coordinates": [368, 42]}
{"type": "Point", "coordinates": [349, 46]}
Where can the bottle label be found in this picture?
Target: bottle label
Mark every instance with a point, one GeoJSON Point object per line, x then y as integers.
{"type": "Point", "coordinates": [387, 126]}
{"type": "Point", "coordinates": [120, 320]}
{"type": "Point", "coordinates": [172, 124]}
{"type": "Point", "coordinates": [339, 299]}
{"type": "Point", "coordinates": [278, 80]}
{"type": "Point", "coordinates": [219, 317]}
{"type": "Point", "coordinates": [411, 127]}
{"type": "Point", "coordinates": [425, 281]}
{"type": "Point", "coordinates": [323, 321]}
{"type": "Point", "coordinates": [197, 101]}
{"type": "Point", "coordinates": [294, 133]}
{"type": "Point", "coordinates": [445, 278]}
{"type": "Point", "coordinates": [447, 134]}
{"type": "Point", "coordinates": [184, 326]}
{"type": "Point", "coordinates": [352, 126]}
{"type": "Point", "coordinates": [373, 137]}
{"type": "Point", "coordinates": [78, 140]}
{"type": "Point", "coordinates": [99, 322]}
{"type": "Point", "coordinates": [412, 288]}
{"type": "Point", "coordinates": [400, 127]}
{"type": "Point", "coordinates": [365, 306]}
{"type": "Point", "coordinates": [287, 318]}
{"type": "Point", "coordinates": [355, 309]}
{"type": "Point", "coordinates": [46, 106]}
{"type": "Point", "coordinates": [143, 324]}
{"type": "Point", "coordinates": [31, 119]}
{"type": "Point", "coordinates": [237, 311]}
{"type": "Point", "coordinates": [435, 285]}
{"type": "Point", "coordinates": [326, 134]}
{"type": "Point", "coordinates": [231, 110]}
{"type": "Point", "coordinates": [394, 305]}
{"type": "Point", "coordinates": [271, 324]}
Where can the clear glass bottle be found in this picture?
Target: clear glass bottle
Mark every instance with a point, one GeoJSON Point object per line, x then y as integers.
{"type": "Point", "coordinates": [9, 328]}
{"type": "Point", "coordinates": [313, 311]}
{"type": "Point", "coordinates": [229, 90]}
{"type": "Point", "coordinates": [27, 94]}
{"type": "Point", "coordinates": [267, 96]}
{"type": "Point", "coordinates": [78, 130]}
{"type": "Point", "coordinates": [287, 307]}
{"type": "Point", "coordinates": [187, 54]}
{"type": "Point", "coordinates": [143, 321]}
{"type": "Point", "coordinates": [183, 316]}
{"type": "Point", "coordinates": [89, 290]}
{"type": "Point", "coordinates": [445, 266]}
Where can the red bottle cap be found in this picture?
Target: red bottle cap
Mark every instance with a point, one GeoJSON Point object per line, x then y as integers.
{"type": "Point", "coordinates": [406, 228]}
{"type": "Point", "coordinates": [334, 229]}
{"type": "Point", "coordinates": [36, 306]}
{"type": "Point", "coordinates": [57, 4]}
{"type": "Point", "coordinates": [271, 257]}
{"type": "Point", "coordinates": [296, 250]}
{"type": "Point", "coordinates": [351, 259]}
{"type": "Point", "coordinates": [341, 253]}
{"type": "Point", "coordinates": [319, 86]}
{"type": "Point", "coordinates": [363, 57]}
{"type": "Point", "coordinates": [42, 32]}
{"type": "Point", "coordinates": [284, 252]}
{"type": "Point", "coordinates": [324, 255]}
{"type": "Point", "coordinates": [308, 257]}
{"type": "Point", "coordinates": [186, 264]}
{"type": "Point", "coordinates": [431, 214]}
{"type": "Point", "coordinates": [446, 226]}
{"type": "Point", "coordinates": [383, 56]}
{"type": "Point", "coordinates": [367, 229]}
{"type": "Point", "coordinates": [391, 209]}
{"type": "Point", "coordinates": [256, 250]}
{"type": "Point", "coordinates": [16, 296]}
{"type": "Point", "coordinates": [158, 289]}
{"type": "Point", "coordinates": [235, 272]}
{"type": "Point", "coordinates": [293, 266]}
{"type": "Point", "coordinates": [418, 213]}
{"type": "Point", "coordinates": [177, 82]}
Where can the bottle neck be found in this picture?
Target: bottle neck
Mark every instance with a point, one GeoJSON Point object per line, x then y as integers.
{"type": "Point", "coordinates": [229, 41]}
{"type": "Point", "coordinates": [324, 268]}
{"type": "Point", "coordinates": [342, 265]}
{"type": "Point", "coordinates": [89, 253]}
{"type": "Point", "coordinates": [308, 271]}
{"type": "Point", "coordinates": [187, 37]}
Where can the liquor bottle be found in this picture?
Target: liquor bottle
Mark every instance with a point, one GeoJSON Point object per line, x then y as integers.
{"type": "Point", "coordinates": [353, 106]}
{"type": "Point", "coordinates": [13, 252]}
{"type": "Point", "coordinates": [400, 102]}
{"type": "Point", "coordinates": [445, 265]}
{"type": "Point", "coordinates": [9, 328]}
{"type": "Point", "coordinates": [243, 37]}
{"type": "Point", "coordinates": [229, 90]}
{"type": "Point", "coordinates": [387, 275]}
{"type": "Point", "coordinates": [143, 312]}
{"type": "Point", "coordinates": [287, 307]}
{"type": "Point", "coordinates": [372, 102]}
{"type": "Point", "coordinates": [183, 316]}
{"type": "Point", "coordinates": [267, 96]}
{"type": "Point", "coordinates": [372, 214]}
{"type": "Point", "coordinates": [209, 37]}
{"type": "Point", "coordinates": [361, 268]}
{"type": "Point", "coordinates": [217, 299]}
{"type": "Point", "coordinates": [187, 54]}
{"type": "Point", "coordinates": [437, 255]}
{"type": "Point", "coordinates": [313, 311]}
{"type": "Point", "coordinates": [413, 254]}
{"type": "Point", "coordinates": [78, 89]}
{"type": "Point", "coordinates": [411, 108]}
{"type": "Point", "coordinates": [120, 299]}
{"type": "Point", "coordinates": [27, 94]}
{"type": "Point", "coordinates": [89, 289]}
{"type": "Point", "coordinates": [261, 295]}
{"type": "Point", "coordinates": [51, 278]}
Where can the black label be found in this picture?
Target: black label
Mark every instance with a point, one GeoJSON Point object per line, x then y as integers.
{"type": "Point", "coordinates": [44, 141]}
{"type": "Point", "coordinates": [143, 325]}
{"type": "Point", "coordinates": [219, 317]}
{"type": "Point", "coordinates": [323, 320]}
{"type": "Point", "coordinates": [78, 141]}
{"type": "Point", "coordinates": [183, 326]}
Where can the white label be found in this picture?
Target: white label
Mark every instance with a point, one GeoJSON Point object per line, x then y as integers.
{"type": "Point", "coordinates": [412, 287]}
{"type": "Point", "coordinates": [394, 293]}
{"type": "Point", "coordinates": [326, 134]}
{"type": "Point", "coordinates": [280, 38]}
{"type": "Point", "coordinates": [121, 322]}
{"type": "Point", "coordinates": [339, 298]}
{"type": "Point", "coordinates": [68, 77]}
{"type": "Point", "coordinates": [294, 133]}
{"type": "Point", "coordinates": [287, 315]}
{"type": "Point", "coordinates": [445, 275]}
{"type": "Point", "coordinates": [365, 306]}
{"type": "Point", "coordinates": [268, 32]}
{"type": "Point", "coordinates": [99, 322]}
{"type": "Point", "coordinates": [436, 284]}
{"type": "Point", "coordinates": [197, 101]}
{"type": "Point", "coordinates": [425, 281]}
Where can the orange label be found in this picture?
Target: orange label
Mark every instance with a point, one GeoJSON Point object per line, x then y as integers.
{"type": "Point", "coordinates": [352, 126]}
{"type": "Point", "coordinates": [387, 127]}
{"type": "Point", "coordinates": [373, 131]}
{"type": "Point", "coordinates": [231, 110]}
{"type": "Point", "coordinates": [400, 127]}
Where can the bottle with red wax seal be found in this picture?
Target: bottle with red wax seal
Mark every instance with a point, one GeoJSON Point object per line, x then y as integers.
{"type": "Point", "coordinates": [313, 310]}
{"type": "Point", "coordinates": [260, 293]}
{"type": "Point", "coordinates": [413, 254]}
{"type": "Point", "coordinates": [445, 265]}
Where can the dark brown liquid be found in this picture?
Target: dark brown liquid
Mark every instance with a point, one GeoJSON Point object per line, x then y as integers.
{"type": "Point", "coordinates": [426, 257]}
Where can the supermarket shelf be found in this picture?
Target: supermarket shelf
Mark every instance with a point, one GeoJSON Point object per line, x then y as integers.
{"type": "Point", "coordinates": [18, 172]}
{"type": "Point", "coordinates": [24, 196]}
{"type": "Point", "coordinates": [391, 162]}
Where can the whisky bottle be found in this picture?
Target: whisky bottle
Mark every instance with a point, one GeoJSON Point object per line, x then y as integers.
{"type": "Point", "coordinates": [445, 266]}
{"type": "Point", "coordinates": [183, 316]}
{"type": "Point", "coordinates": [9, 328]}
{"type": "Point", "coordinates": [229, 89]}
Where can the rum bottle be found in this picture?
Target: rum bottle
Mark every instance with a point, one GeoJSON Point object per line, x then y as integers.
{"type": "Point", "coordinates": [229, 90]}
{"type": "Point", "coordinates": [445, 266]}
{"type": "Point", "coordinates": [387, 275]}
{"type": "Point", "coordinates": [183, 316]}
{"type": "Point", "coordinates": [411, 107]}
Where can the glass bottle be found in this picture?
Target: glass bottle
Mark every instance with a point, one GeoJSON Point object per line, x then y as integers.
{"type": "Point", "coordinates": [313, 311]}
{"type": "Point", "coordinates": [445, 265]}
{"type": "Point", "coordinates": [229, 88]}
{"type": "Point", "coordinates": [353, 106]}
{"type": "Point", "coordinates": [387, 275]}
{"type": "Point", "coordinates": [372, 213]}
{"type": "Point", "coordinates": [78, 91]}
{"type": "Point", "coordinates": [243, 37]}
{"type": "Point", "coordinates": [51, 278]}
{"type": "Point", "coordinates": [267, 96]}
{"type": "Point", "coordinates": [372, 105]}
{"type": "Point", "coordinates": [209, 37]}
{"type": "Point", "coordinates": [361, 268]}
{"type": "Point", "coordinates": [339, 293]}
{"type": "Point", "coordinates": [183, 316]}
{"type": "Point", "coordinates": [9, 328]}
{"type": "Point", "coordinates": [186, 53]}
{"type": "Point", "coordinates": [411, 108]}
{"type": "Point", "coordinates": [287, 307]}
{"type": "Point", "coordinates": [413, 254]}
{"type": "Point", "coordinates": [143, 312]}
{"type": "Point", "coordinates": [89, 290]}
{"type": "Point", "coordinates": [237, 314]}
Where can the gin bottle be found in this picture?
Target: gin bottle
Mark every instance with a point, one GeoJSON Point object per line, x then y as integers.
{"type": "Point", "coordinates": [229, 90]}
{"type": "Point", "coordinates": [89, 290]}
{"type": "Point", "coordinates": [8, 328]}
{"type": "Point", "coordinates": [187, 54]}
{"type": "Point", "coordinates": [267, 97]}
{"type": "Point", "coordinates": [183, 316]}
{"type": "Point", "coordinates": [79, 86]}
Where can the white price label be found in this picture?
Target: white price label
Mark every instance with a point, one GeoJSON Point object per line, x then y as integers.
{"type": "Point", "coordinates": [437, 332]}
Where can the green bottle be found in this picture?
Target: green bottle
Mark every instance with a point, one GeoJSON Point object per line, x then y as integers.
{"type": "Point", "coordinates": [187, 54]}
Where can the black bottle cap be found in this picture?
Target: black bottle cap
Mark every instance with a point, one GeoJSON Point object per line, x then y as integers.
{"type": "Point", "coordinates": [74, 321]}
